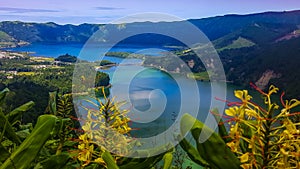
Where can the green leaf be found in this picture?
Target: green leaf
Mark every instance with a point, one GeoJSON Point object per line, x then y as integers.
{"type": "Point", "coordinates": [23, 133]}
{"type": "Point", "coordinates": [222, 129]}
{"type": "Point", "coordinates": [213, 150]}
{"type": "Point", "coordinates": [143, 162]}
{"type": "Point", "coordinates": [16, 114]}
{"type": "Point", "coordinates": [93, 166]}
{"type": "Point", "coordinates": [4, 154]}
{"type": "Point", "coordinates": [109, 160]}
{"type": "Point", "coordinates": [3, 93]}
{"type": "Point", "coordinates": [193, 153]}
{"type": "Point", "coordinates": [56, 161]}
{"type": "Point", "coordinates": [29, 149]}
{"type": "Point", "coordinates": [51, 108]}
{"type": "Point", "coordinates": [168, 157]}
{"type": "Point", "coordinates": [7, 129]}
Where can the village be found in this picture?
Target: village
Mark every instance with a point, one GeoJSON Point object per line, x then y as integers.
{"type": "Point", "coordinates": [14, 64]}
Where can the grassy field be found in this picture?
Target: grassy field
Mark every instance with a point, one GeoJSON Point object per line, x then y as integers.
{"type": "Point", "coordinates": [26, 73]}
{"type": "Point", "coordinates": [199, 76]}
{"type": "Point", "coordinates": [239, 43]}
{"type": "Point", "coordinates": [41, 59]}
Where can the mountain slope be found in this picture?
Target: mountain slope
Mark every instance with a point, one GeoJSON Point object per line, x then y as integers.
{"type": "Point", "coordinates": [255, 34]}
{"type": "Point", "coordinates": [282, 59]}
{"type": "Point", "coordinates": [214, 28]}
{"type": "Point", "coordinates": [48, 32]}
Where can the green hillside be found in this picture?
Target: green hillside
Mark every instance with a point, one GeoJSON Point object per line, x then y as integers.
{"type": "Point", "coordinates": [248, 53]}
{"type": "Point", "coordinates": [251, 27]}
{"type": "Point", "coordinates": [240, 42]}
{"type": "Point", "coordinates": [257, 33]}
{"type": "Point", "coordinates": [282, 58]}
{"type": "Point", "coordinates": [6, 40]}
{"type": "Point", "coordinates": [4, 37]}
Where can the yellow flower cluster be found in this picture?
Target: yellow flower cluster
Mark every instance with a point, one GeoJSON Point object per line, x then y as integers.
{"type": "Point", "coordinates": [105, 129]}
{"type": "Point", "coordinates": [264, 137]}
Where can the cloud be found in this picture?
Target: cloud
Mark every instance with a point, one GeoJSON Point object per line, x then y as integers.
{"type": "Point", "coordinates": [60, 19]}
{"type": "Point", "coordinates": [25, 10]}
{"type": "Point", "coordinates": [105, 8]}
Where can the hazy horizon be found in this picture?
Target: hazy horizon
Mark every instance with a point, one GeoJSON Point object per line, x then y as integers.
{"type": "Point", "coordinates": [107, 11]}
{"type": "Point", "coordinates": [147, 20]}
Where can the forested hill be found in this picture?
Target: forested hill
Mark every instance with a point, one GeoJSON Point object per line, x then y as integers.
{"type": "Point", "coordinates": [48, 32]}
{"type": "Point", "coordinates": [213, 27]}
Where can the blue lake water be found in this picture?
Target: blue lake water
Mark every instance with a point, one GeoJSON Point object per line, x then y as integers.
{"type": "Point", "coordinates": [154, 97]}
{"type": "Point", "coordinates": [157, 98]}
{"type": "Point", "coordinates": [92, 52]}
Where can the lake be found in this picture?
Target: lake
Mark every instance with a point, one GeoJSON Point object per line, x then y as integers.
{"type": "Point", "coordinates": [154, 97]}
{"type": "Point", "coordinates": [55, 50]}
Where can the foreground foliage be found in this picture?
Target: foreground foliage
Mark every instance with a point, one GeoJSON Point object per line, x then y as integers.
{"type": "Point", "coordinates": [265, 136]}
{"type": "Point", "coordinates": [55, 143]}
{"type": "Point", "coordinates": [257, 137]}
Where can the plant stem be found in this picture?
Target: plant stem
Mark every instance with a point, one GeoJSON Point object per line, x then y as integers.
{"type": "Point", "coordinates": [268, 124]}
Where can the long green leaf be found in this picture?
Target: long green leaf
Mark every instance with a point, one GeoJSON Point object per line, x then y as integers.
{"type": "Point", "coordinates": [7, 129]}
{"type": "Point", "coordinates": [51, 108]}
{"type": "Point", "coordinates": [193, 153]}
{"type": "Point", "coordinates": [29, 149]}
{"type": "Point", "coordinates": [109, 160]}
{"type": "Point", "coordinates": [4, 154]}
{"type": "Point", "coordinates": [222, 129]}
{"type": "Point", "coordinates": [144, 162]}
{"type": "Point", "coordinates": [214, 149]}
{"type": "Point", "coordinates": [15, 115]}
{"type": "Point", "coordinates": [3, 93]}
{"type": "Point", "coordinates": [141, 163]}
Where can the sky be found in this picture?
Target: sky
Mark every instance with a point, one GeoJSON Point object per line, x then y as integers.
{"type": "Point", "coordinates": [110, 11]}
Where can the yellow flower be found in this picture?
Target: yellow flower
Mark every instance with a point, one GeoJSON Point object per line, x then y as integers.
{"type": "Point", "coordinates": [243, 95]}
{"type": "Point", "coordinates": [84, 156]}
{"type": "Point", "coordinates": [86, 149]}
{"type": "Point", "coordinates": [232, 146]}
{"type": "Point", "coordinates": [272, 89]}
{"type": "Point", "coordinates": [84, 138]}
{"type": "Point", "coordinates": [244, 158]}
{"type": "Point", "coordinates": [232, 111]}
{"type": "Point", "coordinates": [87, 126]}
{"type": "Point", "coordinates": [107, 128]}
{"type": "Point", "coordinates": [100, 161]}
{"type": "Point", "coordinates": [251, 113]}
{"type": "Point", "coordinates": [284, 152]}
{"type": "Point", "coordinates": [81, 146]}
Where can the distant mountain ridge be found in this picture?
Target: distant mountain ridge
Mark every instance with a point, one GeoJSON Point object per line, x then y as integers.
{"type": "Point", "coordinates": [213, 27]}
{"type": "Point", "coordinates": [48, 32]}
{"type": "Point", "coordinates": [216, 27]}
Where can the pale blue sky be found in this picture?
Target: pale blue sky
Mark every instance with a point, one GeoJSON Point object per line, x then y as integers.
{"type": "Point", "coordinates": [105, 11]}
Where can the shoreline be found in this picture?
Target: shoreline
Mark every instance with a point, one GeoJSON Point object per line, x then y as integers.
{"type": "Point", "coordinates": [128, 55]}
